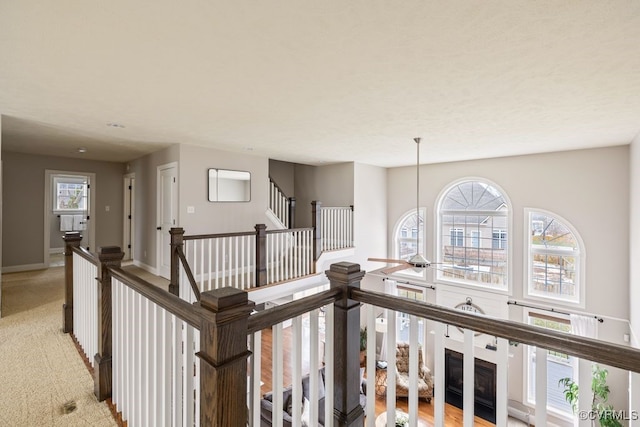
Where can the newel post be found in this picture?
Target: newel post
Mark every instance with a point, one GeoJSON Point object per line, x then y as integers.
{"type": "Point", "coordinates": [177, 241]}
{"type": "Point", "coordinates": [223, 357]}
{"type": "Point", "coordinates": [346, 378]}
{"type": "Point", "coordinates": [316, 223]}
{"type": "Point", "coordinates": [292, 212]}
{"type": "Point", "coordinates": [72, 240]}
{"type": "Point", "coordinates": [109, 256]}
{"type": "Point", "coordinates": [261, 254]}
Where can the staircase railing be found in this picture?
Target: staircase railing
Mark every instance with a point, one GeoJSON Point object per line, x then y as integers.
{"type": "Point", "coordinates": [333, 227]}
{"type": "Point", "coordinates": [250, 259]}
{"type": "Point", "coordinates": [176, 363]}
{"type": "Point", "coordinates": [283, 207]}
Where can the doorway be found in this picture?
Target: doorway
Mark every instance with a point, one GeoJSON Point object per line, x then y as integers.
{"type": "Point", "coordinates": [167, 188]}
{"type": "Point", "coordinates": [69, 206]}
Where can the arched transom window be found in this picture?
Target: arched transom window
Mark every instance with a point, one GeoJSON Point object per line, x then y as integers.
{"type": "Point", "coordinates": [473, 224]}
{"type": "Point", "coordinates": [554, 258]}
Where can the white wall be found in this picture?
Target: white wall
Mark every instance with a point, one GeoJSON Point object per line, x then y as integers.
{"type": "Point", "coordinates": [589, 188]}
{"type": "Point", "coordinates": [370, 214]}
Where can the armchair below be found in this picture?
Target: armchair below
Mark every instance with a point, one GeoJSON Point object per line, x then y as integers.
{"type": "Point", "coordinates": [425, 379]}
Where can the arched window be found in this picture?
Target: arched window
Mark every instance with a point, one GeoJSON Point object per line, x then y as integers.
{"type": "Point", "coordinates": [554, 258]}
{"type": "Point", "coordinates": [409, 239]}
{"type": "Point", "coordinates": [473, 224]}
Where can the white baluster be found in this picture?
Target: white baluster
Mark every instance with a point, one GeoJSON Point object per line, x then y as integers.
{"type": "Point", "coordinates": [541, 386]}
{"type": "Point", "coordinates": [468, 389]}
{"type": "Point", "coordinates": [438, 377]}
{"type": "Point", "coordinates": [277, 375]}
{"type": "Point", "coordinates": [413, 371]}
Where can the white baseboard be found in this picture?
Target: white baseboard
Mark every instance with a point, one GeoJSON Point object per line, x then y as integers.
{"type": "Point", "coordinates": [146, 267]}
{"type": "Point", "coordinates": [56, 251]}
{"type": "Point", "coordinates": [25, 267]}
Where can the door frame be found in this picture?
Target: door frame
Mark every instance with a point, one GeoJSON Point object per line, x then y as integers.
{"type": "Point", "coordinates": [48, 200]}
{"type": "Point", "coordinates": [128, 220]}
{"type": "Point", "coordinates": [174, 203]}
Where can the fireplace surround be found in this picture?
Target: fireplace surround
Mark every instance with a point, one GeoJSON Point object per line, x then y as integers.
{"type": "Point", "coordinates": [484, 388]}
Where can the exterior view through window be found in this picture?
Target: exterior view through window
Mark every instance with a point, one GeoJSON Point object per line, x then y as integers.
{"type": "Point", "coordinates": [473, 235]}
{"type": "Point", "coordinates": [554, 258]}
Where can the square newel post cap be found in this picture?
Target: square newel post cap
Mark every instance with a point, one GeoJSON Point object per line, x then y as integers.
{"type": "Point", "coordinates": [72, 236]}
{"type": "Point", "coordinates": [110, 253]}
{"type": "Point", "coordinates": [345, 272]}
{"type": "Point", "coordinates": [223, 299]}
{"type": "Point", "coordinates": [227, 304]}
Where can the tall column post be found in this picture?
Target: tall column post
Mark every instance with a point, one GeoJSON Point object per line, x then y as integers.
{"type": "Point", "coordinates": [72, 240]}
{"type": "Point", "coordinates": [346, 378]}
{"type": "Point", "coordinates": [292, 212]}
{"type": "Point", "coordinates": [261, 254]}
{"type": "Point", "coordinates": [109, 256]}
{"type": "Point", "coordinates": [223, 357]}
{"type": "Point", "coordinates": [177, 241]}
{"type": "Point", "coordinates": [316, 223]}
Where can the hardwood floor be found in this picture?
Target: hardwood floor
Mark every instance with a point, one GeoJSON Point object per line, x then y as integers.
{"type": "Point", "coordinates": [453, 415]}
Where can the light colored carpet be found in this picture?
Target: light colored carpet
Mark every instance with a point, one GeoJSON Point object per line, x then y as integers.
{"type": "Point", "coordinates": [40, 368]}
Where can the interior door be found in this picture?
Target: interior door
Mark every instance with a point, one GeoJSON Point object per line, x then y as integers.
{"type": "Point", "coordinates": [167, 216]}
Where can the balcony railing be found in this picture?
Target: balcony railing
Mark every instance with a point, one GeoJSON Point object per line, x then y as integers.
{"type": "Point", "coordinates": [164, 361]}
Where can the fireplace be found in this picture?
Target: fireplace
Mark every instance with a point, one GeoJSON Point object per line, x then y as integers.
{"type": "Point", "coordinates": [485, 384]}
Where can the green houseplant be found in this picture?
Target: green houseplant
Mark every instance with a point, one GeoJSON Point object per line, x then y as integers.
{"type": "Point", "coordinates": [600, 391]}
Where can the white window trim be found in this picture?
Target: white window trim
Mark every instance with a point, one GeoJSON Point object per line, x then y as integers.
{"type": "Point", "coordinates": [581, 282]}
{"type": "Point", "coordinates": [506, 290]}
{"type": "Point", "coordinates": [395, 238]}
{"type": "Point", "coordinates": [527, 367]}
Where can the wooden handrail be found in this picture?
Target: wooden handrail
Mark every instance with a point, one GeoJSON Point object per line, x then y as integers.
{"type": "Point", "coordinates": [275, 184]}
{"type": "Point", "coordinates": [268, 318]}
{"type": "Point", "coordinates": [89, 256]}
{"type": "Point", "coordinates": [173, 304]}
{"type": "Point", "coordinates": [215, 236]}
{"type": "Point", "coordinates": [289, 230]}
{"type": "Point", "coordinates": [610, 354]}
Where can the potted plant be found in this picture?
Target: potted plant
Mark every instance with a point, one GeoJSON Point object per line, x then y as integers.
{"type": "Point", "coordinates": [363, 345]}
{"type": "Point", "coordinates": [600, 397]}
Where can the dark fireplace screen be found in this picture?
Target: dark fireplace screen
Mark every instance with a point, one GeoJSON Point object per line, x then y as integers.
{"type": "Point", "coordinates": [484, 389]}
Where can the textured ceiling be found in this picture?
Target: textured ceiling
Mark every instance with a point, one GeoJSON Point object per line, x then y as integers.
{"type": "Point", "coordinates": [320, 82]}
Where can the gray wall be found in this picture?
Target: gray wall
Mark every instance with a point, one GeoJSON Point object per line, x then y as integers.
{"type": "Point", "coordinates": [145, 170]}
{"type": "Point", "coordinates": [23, 203]}
{"type": "Point", "coordinates": [634, 255]}
{"type": "Point", "coordinates": [219, 217]}
{"type": "Point", "coordinates": [283, 173]}
{"type": "Point", "coordinates": [208, 217]}
{"type": "Point", "coordinates": [589, 188]}
{"type": "Point", "coordinates": [333, 185]}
